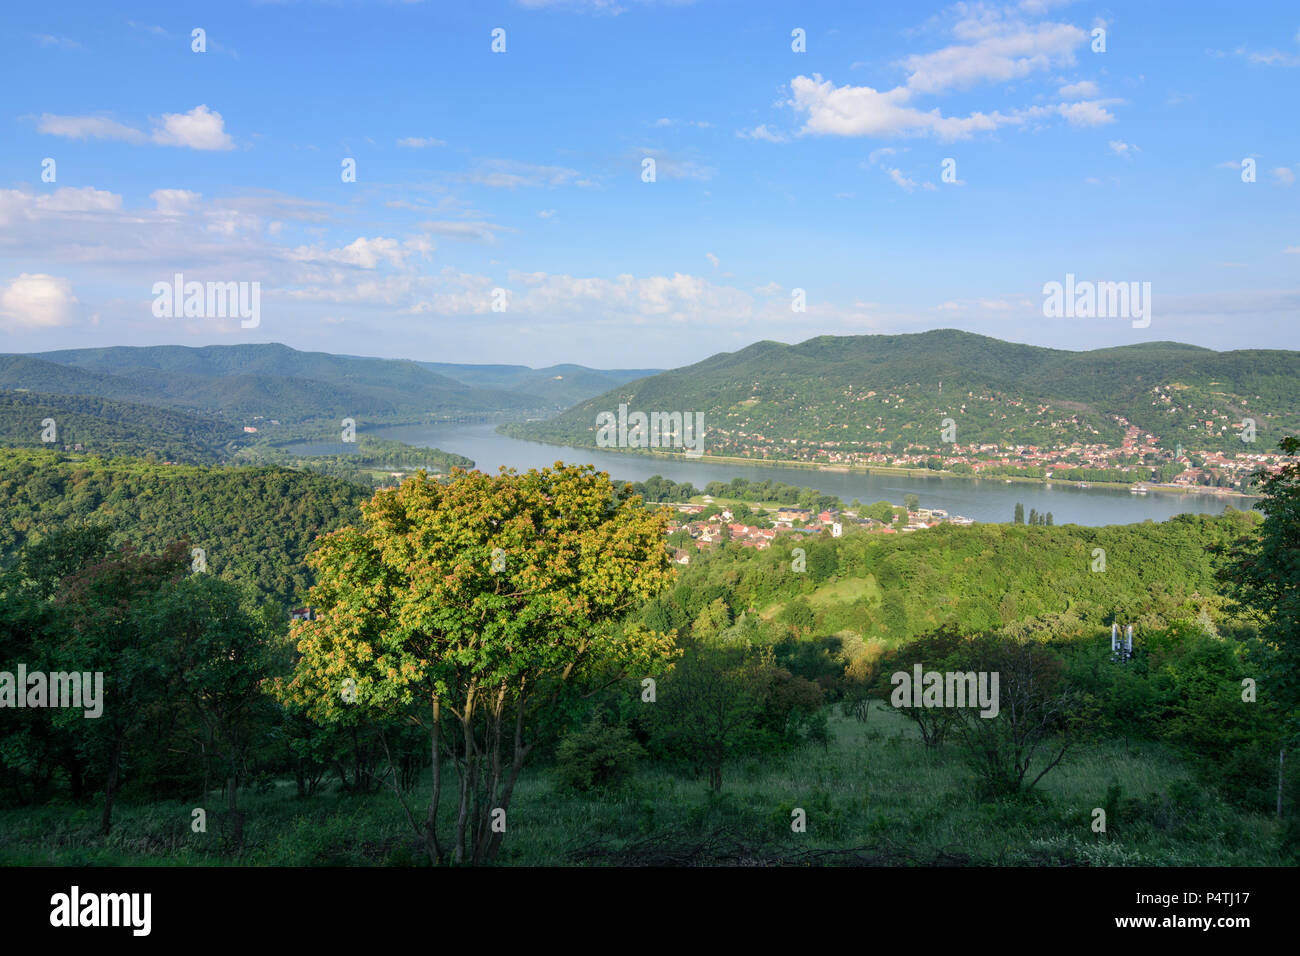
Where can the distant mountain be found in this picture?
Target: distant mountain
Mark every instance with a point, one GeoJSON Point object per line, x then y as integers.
{"type": "Point", "coordinates": [848, 392]}
{"type": "Point", "coordinates": [240, 382]}
{"type": "Point", "coordinates": [559, 385]}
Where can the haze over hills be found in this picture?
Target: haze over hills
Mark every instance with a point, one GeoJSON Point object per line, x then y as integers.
{"type": "Point", "coordinates": [851, 392]}
{"type": "Point", "coordinates": [564, 385]}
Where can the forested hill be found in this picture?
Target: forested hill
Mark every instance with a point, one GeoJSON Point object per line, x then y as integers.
{"type": "Point", "coordinates": [240, 382]}
{"type": "Point", "coordinates": [849, 391]}
{"type": "Point", "coordinates": [106, 428]}
{"type": "Point", "coordinates": [255, 525]}
{"type": "Point", "coordinates": [1024, 581]}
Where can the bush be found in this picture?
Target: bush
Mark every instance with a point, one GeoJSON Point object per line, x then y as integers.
{"type": "Point", "coordinates": [597, 757]}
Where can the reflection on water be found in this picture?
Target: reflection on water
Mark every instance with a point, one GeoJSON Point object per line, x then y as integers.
{"type": "Point", "coordinates": [984, 500]}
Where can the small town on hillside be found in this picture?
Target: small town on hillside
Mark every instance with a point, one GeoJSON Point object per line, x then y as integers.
{"type": "Point", "coordinates": [704, 527]}
{"type": "Point", "coordinates": [1139, 459]}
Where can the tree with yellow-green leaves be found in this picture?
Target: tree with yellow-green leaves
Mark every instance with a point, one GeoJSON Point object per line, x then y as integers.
{"type": "Point", "coordinates": [481, 608]}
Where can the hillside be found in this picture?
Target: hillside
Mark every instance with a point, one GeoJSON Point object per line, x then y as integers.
{"type": "Point", "coordinates": [865, 590]}
{"type": "Point", "coordinates": [254, 524]}
{"type": "Point", "coordinates": [856, 393]}
{"type": "Point", "coordinates": [107, 428]}
{"type": "Point", "coordinates": [241, 382]}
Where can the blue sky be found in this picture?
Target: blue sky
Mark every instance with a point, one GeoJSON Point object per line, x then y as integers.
{"type": "Point", "coordinates": [775, 170]}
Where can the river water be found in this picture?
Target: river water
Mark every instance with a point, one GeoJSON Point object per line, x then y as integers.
{"type": "Point", "coordinates": [989, 499]}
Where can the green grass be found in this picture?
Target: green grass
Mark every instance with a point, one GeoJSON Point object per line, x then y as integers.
{"type": "Point", "coordinates": [874, 786]}
{"type": "Point", "coordinates": [850, 590]}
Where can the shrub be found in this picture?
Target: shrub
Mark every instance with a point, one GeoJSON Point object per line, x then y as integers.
{"type": "Point", "coordinates": [598, 756]}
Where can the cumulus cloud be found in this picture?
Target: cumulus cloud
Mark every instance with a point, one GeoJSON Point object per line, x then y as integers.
{"type": "Point", "coordinates": [1121, 148]}
{"type": "Point", "coordinates": [200, 128]}
{"type": "Point", "coordinates": [36, 300]}
{"type": "Point", "coordinates": [1284, 175]}
{"type": "Point", "coordinates": [993, 45]}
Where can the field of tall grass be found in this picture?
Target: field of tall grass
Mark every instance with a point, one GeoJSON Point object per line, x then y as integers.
{"type": "Point", "coordinates": [873, 795]}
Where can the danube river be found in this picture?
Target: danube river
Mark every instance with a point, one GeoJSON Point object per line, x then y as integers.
{"type": "Point", "coordinates": [989, 499]}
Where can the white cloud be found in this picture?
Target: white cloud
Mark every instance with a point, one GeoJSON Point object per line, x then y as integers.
{"type": "Point", "coordinates": [461, 229]}
{"type": "Point", "coordinates": [77, 202]}
{"type": "Point", "coordinates": [175, 202]}
{"type": "Point", "coordinates": [1002, 50]}
{"type": "Point", "coordinates": [668, 166]}
{"type": "Point", "coordinates": [88, 127]}
{"type": "Point", "coordinates": [1086, 113]}
{"type": "Point", "coordinates": [1272, 58]}
{"type": "Point", "coordinates": [761, 132]}
{"type": "Point", "coordinates": [36, 300]}
{"type": "Point", "coordinates": [545, 213]}
{"type": "Point", "coordinates": [897, 176]}
{"type": "Point", "coordinates": [1084, 89]}
{"type": "Point", "coordinates": [200, 128]}
{"type": "Point", "coordinates": [993, 45]}
{"type": "Point", "coordinates": [509, 174]}
{"type": "Point", "coordinates": [363, 252]}
{"type": "Point", "coordinates": [420, 142]}
{"type": "Point", "coordinates": [1121, 148]}
{"type": "Point", "coordinates": [863, 111]}
{"type": "Point", "coordinates": [713, 259]}
{"type": "Point", "coordinates": [1284, 175]}
{"type": "Point", "coordinates": [48, 39]}
{"type": "Point", "coordinates": [665, 122]}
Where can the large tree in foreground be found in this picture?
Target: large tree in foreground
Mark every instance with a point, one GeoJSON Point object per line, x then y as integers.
{"type": "Point", "coordinates": [477, 609]}
{"type": "Point", "coordinates": [1264, 572]}
{"type": "Point", "coordinates": [1264, 575]}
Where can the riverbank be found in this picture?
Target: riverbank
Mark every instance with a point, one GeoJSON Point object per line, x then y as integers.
{"type": "Point", "coordinates": [897, 471]}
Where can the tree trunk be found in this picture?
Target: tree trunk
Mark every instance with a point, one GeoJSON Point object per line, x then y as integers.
{"type": "Point", "coordinates": [110, 788]}
{"type": "Point", "coordinates": [431, 845]}
{"type": "Point", "coordinates": [1281, 761]}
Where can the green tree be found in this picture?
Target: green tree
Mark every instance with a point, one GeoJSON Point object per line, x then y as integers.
{"type": "Point", "coordinates": [911, 501]}
{"type": "Point", "coordinates": [104, 609]}
{"type": "Point", "coordinates": [1020, 514]}
{"type": "Point", "coordinates": [1263, 573]}
{"type": "Point", "coordinates": [477, 608]}
{"type": "Point", "coordinates": [218, 648]}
